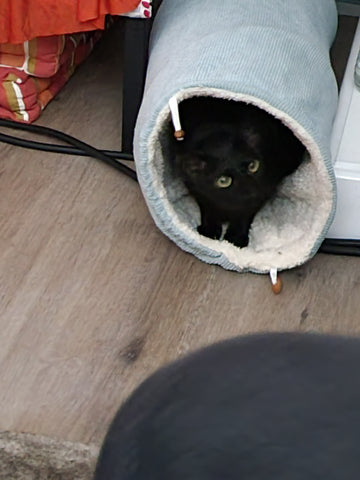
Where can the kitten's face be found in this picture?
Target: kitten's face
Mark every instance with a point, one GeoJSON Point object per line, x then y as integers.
{"type": "Point", "coordinates": [222, 180]}
{"type": "Point", "coordinates": [226, 168]}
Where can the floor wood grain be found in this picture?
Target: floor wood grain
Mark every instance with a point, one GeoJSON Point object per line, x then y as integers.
{"type": "Point", "coordinates": [93, 297]}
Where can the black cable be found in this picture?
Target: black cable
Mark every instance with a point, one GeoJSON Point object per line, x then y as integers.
{"type": "Point", "coordinates": [339, 246]}
{"type": "Point", "coordinates": [81, 148]}
{"type": "Point", "coordinates": [54, 148]}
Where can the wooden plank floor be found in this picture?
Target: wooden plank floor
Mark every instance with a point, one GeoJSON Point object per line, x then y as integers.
{"type": "Point", "coordinates": [93, 297]}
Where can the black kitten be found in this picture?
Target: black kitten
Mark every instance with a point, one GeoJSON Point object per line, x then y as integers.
{"type": "Point", "coordinates": [232, 159]}
{"type": "Point", "coordinates": [264, 407]}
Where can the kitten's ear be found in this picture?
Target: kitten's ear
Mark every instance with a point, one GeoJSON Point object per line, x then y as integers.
{"type": "Point", "coordinates": [190, 163]}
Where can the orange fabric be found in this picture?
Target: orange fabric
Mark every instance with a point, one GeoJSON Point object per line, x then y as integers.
{"type": "Point", "coordinates": [22, 20]}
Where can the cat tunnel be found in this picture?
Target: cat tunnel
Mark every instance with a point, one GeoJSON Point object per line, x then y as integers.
{"type": "Point", "coordinates": [275, 55]}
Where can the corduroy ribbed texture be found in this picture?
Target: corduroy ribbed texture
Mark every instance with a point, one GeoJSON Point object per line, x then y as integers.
{"type": "Point", "coordinates": [274, 54]}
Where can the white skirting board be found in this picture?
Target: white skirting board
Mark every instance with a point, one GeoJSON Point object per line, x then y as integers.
{"type": "Point", "coordinates": [345, 148]}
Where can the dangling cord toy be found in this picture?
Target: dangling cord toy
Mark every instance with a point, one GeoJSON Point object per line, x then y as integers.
{"type": "Point", "coordinates": [179, 133]}
{"type": "Point", "coordinates": [276, 281]}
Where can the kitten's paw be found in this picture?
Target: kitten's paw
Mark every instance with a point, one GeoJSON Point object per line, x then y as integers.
{"type": "Point", "coordinates": [239, 240]}
{"type": "Point", "coordinates": [210, 231]}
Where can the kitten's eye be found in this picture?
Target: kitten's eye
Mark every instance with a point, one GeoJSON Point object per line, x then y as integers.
{"type": "Point", "coordinates": [253, 166]}
{"type": "Point", "coordinates": [224, 181]}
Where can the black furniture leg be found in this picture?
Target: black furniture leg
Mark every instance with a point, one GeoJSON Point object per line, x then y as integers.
{"type": "Point", "coordinates": [136, 40]}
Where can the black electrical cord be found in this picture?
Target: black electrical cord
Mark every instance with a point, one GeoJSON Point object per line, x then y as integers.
{"type": "Point", "coordinates": [77, 147]}
{"type": "Point", "coordinates": [337, 246]}
{"type": "Point", "coordinates": [54, 148]}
